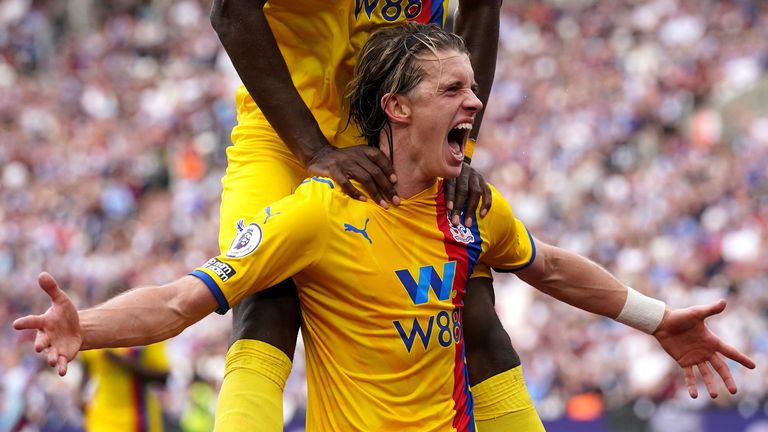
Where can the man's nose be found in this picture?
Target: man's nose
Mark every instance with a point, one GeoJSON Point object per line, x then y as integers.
{"type": "Point", "coordinates": [473, 103]}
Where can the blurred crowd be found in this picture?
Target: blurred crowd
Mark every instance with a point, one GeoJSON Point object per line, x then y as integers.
{"type": "Point", "coordinates": [634, 132]}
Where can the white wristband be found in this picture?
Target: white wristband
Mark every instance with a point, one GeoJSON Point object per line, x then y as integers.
{"type": "Point", "coordinates": [642, 312]}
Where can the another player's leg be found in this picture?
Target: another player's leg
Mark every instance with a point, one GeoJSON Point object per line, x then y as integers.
{"type": "Point", "coordinates": [258, 362]}
{"type": "Point", "coordinates": [265, 326]}
{"type": "Point", "coordinates": [501, 400]}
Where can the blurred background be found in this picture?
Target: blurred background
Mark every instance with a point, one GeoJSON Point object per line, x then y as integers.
{"type": "Point", "coordinates": [634, 132]}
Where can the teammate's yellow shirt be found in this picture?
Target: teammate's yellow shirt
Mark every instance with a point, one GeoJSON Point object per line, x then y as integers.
{"type": "Point", "coordinates": [381, 297]}
{"type": "Point", "coordinates": [320, 41]}
{"type": "Point", "coordinates": [121, 402]}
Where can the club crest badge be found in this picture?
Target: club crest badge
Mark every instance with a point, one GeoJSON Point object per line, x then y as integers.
{"type": "Point", "coordinates": [460, 233]}
{"type": "Point", "coordinates": [246, 241]}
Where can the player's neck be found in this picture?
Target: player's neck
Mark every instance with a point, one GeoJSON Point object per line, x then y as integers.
{"type": "Point", "coordinates": [408, 165]}
{"type": "Point", "coordinates": [408, 186]}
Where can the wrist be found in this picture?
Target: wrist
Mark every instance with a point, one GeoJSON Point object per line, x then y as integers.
{"type": "Point", "coordinates": [663, 320]}
{"type": "Point", "coordinates": [307, 144]}
{"type": "Point", "coordinates": [642, 312]}
{"type": "Point", "coordinates": [310, 155]}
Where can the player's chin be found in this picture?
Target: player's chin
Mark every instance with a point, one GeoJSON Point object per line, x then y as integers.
{"type": "Point", "coordinates": [451, 171]}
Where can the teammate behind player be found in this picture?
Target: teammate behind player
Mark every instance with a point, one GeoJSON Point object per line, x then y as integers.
{"type": "Point", "coordinates": [119, 386]}
{"type": "Point", "coordinates": [122, 397]}
{"type": "Point", "coordinates": [382, 291]}
{"type": "Point", "coordinates": [295, 59]}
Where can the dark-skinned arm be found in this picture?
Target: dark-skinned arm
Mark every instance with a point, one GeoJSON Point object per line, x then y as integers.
{"type": "Point", "coordinates": [477, 21]}
{"type": "Point", "coordinates": [247, 38]}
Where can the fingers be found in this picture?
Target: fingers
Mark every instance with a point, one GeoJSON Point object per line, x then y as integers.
{"type": "Point", "coordinates": [362, 176]}
{"type": "Point", "coordinates": [473, 200]}
{"type": "Point", "coordinates": [449, 190]}
{"type": "Point", "coordinates": [709, 380]}
{"type": "Point", "coordinates": [690, 381]}
{"type": "Point", "coordinates": [53, 356]}
{"type": "Point", "coordinates": [462, 188]}
{"type": "Point", "coordinates": [714, 308]}
{"type": "Point", "coordinates": [339, 177]}
{"type": "Point", "coordinates": [487, 198]}
{"type": "Point", "coordinates": [376, 182]}
{"type": "Point", "coordinates": [725, 374]}
{"type": "Point", "coordinates": [42, 341]}
{"type": "Point", "coordinates": [29, 322]}
{"type": "Point", "coordinates": [368, 166]}
{"type": "Point", "coordinates": [49, 285]}
{"type": "Point", "coordinates": [383, 164]}
{"type": "Point", "coordinates": [62, 365]}
{"type": "Point", "coordinates": [732, 353]}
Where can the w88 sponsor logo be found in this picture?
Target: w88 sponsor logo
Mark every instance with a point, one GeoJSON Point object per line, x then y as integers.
{"type": "Point", "coordinates": [446, 327]}
{"type": "Point", "coordinates": [391, 10]}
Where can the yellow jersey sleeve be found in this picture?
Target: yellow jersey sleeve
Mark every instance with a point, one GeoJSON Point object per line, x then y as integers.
{"type": "Point", "coordinates": [271, 246]}
{"type": "Point", "coordinates": [481, 270]}
{"type": "Point", "coordinates": [510, 246]}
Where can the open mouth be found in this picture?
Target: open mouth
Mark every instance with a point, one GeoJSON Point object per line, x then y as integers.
{"type": "Point", "coordinates": [457, 138]}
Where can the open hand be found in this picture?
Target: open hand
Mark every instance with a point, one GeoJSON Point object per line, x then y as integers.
{"type": "Point", "coordinates": [686, 338]}
{"type": "Point", "coordinates": [467, 188]}
{"type": "Point", "coordinates": [58, 329]}
{"type": "Point", "coordinates": [365, 164]}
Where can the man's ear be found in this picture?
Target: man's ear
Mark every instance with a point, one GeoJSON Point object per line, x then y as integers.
{"type": "Point", "coordinates": [397, 107]}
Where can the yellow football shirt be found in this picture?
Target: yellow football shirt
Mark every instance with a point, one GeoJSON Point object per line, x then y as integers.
{"type": "Point", "coordinates": [121, 402]}
{"type": "Point", "coordinates": [320, 41]}
{"type": "Point", "coordinates": [381, 296]}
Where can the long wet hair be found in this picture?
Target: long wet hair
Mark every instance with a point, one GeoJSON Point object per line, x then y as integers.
{"type": "Point", "coordinates": [390, 63]}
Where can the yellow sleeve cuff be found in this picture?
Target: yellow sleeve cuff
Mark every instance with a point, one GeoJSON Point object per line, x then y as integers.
{"type": "Point", "coordinates": [469, 149]}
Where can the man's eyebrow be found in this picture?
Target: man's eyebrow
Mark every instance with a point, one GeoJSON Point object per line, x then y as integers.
{"type": "Point", "coordinates": [458, 83]}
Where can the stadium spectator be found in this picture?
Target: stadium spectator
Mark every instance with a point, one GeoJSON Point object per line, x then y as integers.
{"type": "Point", "coordinates": [587, 133]}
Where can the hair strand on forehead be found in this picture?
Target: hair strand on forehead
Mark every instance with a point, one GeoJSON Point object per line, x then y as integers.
{"type": "Point", "coordinates": [390, 63]}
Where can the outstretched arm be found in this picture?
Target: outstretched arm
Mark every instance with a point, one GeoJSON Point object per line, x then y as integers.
{"type": "Point", "coordinates": [138, 317]}
{"type": "Point", "coordinates": [682, 333]}
{"type": "Point", "coordinates": [247, 38]}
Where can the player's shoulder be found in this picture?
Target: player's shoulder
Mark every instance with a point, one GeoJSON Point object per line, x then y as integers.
{"type": "Point", "coordinates": [325, 189]}
{"type": "Point", "coordinates": [316, 185]}
{"type": "Point", "coordinates": [499, 204]}
{"type": "Point", "coordinates": [318, 194]}
{"type": "Point", "coordinates": [316, 188]}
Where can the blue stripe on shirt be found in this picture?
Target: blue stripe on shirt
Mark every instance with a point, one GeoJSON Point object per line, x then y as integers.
{"type": "Point", "coordinates": [215, 290]}
{"type": "Point", "coordinates": [530, 261]}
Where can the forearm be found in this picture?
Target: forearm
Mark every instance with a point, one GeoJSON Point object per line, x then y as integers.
{"type": "Point", "coordinates": [575, 280]}
{"type": "Point", "coordinates": [247, 38]}
{"type": "Point", "coordinates": [146, 315]}
{"type": "Point", "coordinates": [478, 23]}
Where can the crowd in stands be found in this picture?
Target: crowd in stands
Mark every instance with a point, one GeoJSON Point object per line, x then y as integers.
{"type": "Point", "coordinates": [633, 132]}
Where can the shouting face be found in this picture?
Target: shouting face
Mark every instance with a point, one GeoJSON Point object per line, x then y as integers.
{"type": "Point", "coordinates": [441, 112]}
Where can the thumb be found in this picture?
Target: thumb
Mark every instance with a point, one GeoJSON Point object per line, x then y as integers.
{"type": "Point", "coordinates": [49, 285]}
{"type": "Point", "coordinates": [713, 309]}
